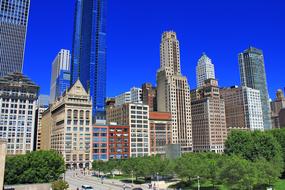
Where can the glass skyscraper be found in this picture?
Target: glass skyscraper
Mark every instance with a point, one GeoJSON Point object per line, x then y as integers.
{"type": "Point", "coordinates": [253, 75]}
{"type": "Point", "coordinates": [60, 75]}
{"type": "Point", "coordinates": [89, 51]}
{"type": "Point", "coordinates": [13, 24]}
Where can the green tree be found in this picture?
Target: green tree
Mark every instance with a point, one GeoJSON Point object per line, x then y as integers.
{"type": "Point", "coordinates": [35, 167]}
{"type": "Point", "coordinates": [60, 185]}
{"type": "Point", "coordinates": [238, 173]}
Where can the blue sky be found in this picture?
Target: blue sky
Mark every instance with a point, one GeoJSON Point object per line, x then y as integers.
{"type": "Point", "coordinates": [221, 28]}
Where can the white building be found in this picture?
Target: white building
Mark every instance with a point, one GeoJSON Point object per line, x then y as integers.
{"type": "Point", "coordinates": [132, 96]}
{"type": "Point", "coordinates": [253, 109]}
{"type": "Point", "coordinates": [204, 70]}
{"type": "Point", "coordinates": [136, 116]}
{"type": "Point", "coordinates": [173, 91]}
{"type": "Point", "coordinates": [60, 63]}
{"type": "Point", "coordinates": [18, 101]}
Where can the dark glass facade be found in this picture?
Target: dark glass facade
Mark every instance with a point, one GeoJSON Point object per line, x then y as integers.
{"type": "Point", "coordinates": [253, 75]}
{"type": "Point", "coordinates": [62, 83]}
{"type": "Point", "coordinates": [13, 27]}
{"type": "Point", "coordinates": [89, 51]}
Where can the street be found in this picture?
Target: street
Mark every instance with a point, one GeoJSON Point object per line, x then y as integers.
{"type": "Point", "coordinates": [77, 180]}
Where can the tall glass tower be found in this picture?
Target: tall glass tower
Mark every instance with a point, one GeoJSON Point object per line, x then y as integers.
{"type": "Point", "coordinates": [253, 75]}
{"type": "Point", "coordinates": [13, 24]}
{"type": "Point", "coordinates": [89, 51]}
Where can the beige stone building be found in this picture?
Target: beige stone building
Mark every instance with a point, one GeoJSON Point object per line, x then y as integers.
{"type": "Point", "coordinates": [173, 92]}
{"type": "Point", "coordinates": [209, 129]}
{"type": "Point", "coordinates": [46, 129]}
{"type": "Point", "coordinates": [3, 150]}
{"type": "Point", "coordinates": [71, 127]}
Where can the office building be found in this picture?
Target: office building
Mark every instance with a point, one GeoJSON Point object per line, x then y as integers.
{"type": "Point", "coordinates": [149, 96]}
{"type": "Point", "coordinates": [253, 75]}
{"type": "Point", "coordinates": [89, 51]}
{"type": "Point", "coordinates": [136, 116]}
{"type": "Point", "coordinates": [118, 142]}
{"type": "Point", "coordinates": [209, 129]}
{"type": "Point", "coordinates": [160, 132]}
{"type": "Point", "coordinates": [3, 151]}
{"type": "Point", "coordinates": [204, 70]}
{"type": "Point", "coordinates": [173, 91]}
{"type": "Point", "coordinates": [13, 24]}
{"type": "Point", "coordinates": [60, 75]}
{"type": "Point", "coordinates": [132, 96]}
{"type": "Point", "coordinates": [18, 102]}
{"type": "Point", "coordinates": [100, 146]}
{"type": "Point", "coordinates": [276, 106]}
{"type": "Point", "coordinates": [243, 108]}
{"type": "Point", "coordinates": [69, 124]}
{"type": "Point", "coordinates": [42, 105]}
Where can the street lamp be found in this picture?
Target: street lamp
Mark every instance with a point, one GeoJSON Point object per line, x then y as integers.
{"type": "Point", "coordinates": [132, 177]}
{"type": "Point", "coordinates": [198, 178]}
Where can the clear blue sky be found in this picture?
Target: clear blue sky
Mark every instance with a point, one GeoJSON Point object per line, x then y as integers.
{"type": "Point", "coordinates": [221, 28]}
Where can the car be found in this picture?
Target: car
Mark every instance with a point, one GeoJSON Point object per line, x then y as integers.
{"type": "Point", "coordinates": [137, 188]}
{"type": "Point", "coordinates": [87, 187]}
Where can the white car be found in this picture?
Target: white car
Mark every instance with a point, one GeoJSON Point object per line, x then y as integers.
{"type": "Point", "coordinates": [87, 187]}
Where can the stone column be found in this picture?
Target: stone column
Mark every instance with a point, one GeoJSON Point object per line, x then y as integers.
{"type": "Point", "coordinates": [2, 161]}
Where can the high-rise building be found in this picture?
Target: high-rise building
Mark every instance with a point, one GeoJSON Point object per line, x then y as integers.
{"type": "Point", "coordinates": [18, 102]}
{"type": "Point", "coordinates": [253, 75]}
{"type": "Point", "coordinates": [60, 75]}
{"type": "Point", "coordinates": [204, 70]}
{"type": "Point", "coordinates": [243, 108]}
{"type": "Point", "coordinates": [173, 91]}
{"type": "Point", "coordinates": [132, 96]}
{"type": "Point", "coordinates": [42, 106]}
{"type": "Point", "coordinates": [68, 127]}
{"type": "Point", "coordinates": [136, 116]}
{"type": "Point", "coordinates": [160, 132]}
{"type": "Point", "coordinates": [149, 96]}
{"type": "Point", "coordinates": [89, 51]}
{"type": "Point", "coordinates": [276, 106]}
{"type": "Point", "coordinates": [13, 23]}
{"type": "Point", "coordinates": [209, 131]}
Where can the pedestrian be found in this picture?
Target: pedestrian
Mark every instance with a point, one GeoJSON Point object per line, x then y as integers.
{"type": "Point", "coordinates": [124, 187]}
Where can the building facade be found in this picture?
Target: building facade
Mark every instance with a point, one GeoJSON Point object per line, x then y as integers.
{"type": "Point", "coordinates": [132, 96]}
{"type": "Point", "coordinates": [209, 129]}
{"type": "Point", "coordinates": [173, 91]}
{"type": "Point", "coordinates": [71, 127]}
{"type": "Point", "coordinates": [18, 101]}
{"type": "Point", "coordinates": [119, 142]}
{"type": "Point", "coordinates": [136, 116]}
{"type": "Point", "coordinates": [89, 51]}
{"type": "Point", "coordinates": [204, 70]}
{"type": "Point", "coordinates": [100, 146]}
{"type": "Point", "coordinates": [149, 96]}
{"type": "Point", "coordinates": [13, 23]}
{"type": "Point", "coordinates": [276, 106]}
{"type": "Point", "coordinates": [60, 75]}
{"type": "Point", "coordinates": [253, 75]}
{"type": "Point", "coordinates": [243, 108]}
{"type": "Point", "coordinates": [42, 106]}
{"type": "Point", "coordinates": [160, 130]}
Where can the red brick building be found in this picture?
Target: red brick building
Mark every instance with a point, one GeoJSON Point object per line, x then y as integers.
{"type": "Point", "coordinates": [119, 142]}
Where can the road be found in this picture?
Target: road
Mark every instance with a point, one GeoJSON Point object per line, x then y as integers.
{"type": "Point", "coordinates": [76, 180]}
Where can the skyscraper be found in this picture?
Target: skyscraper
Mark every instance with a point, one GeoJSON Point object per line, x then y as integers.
{"type": "Point", "coordinates": [89, 51]}
{"type": "Point", "coordinates": [204, 70]}
{"type": "Point", "coordinates": [253, 75]}
{"type": "Point", "coordinates": [209, 129]}
{"type": "Point", "coordinates": [13, 23]}
{"type": "Point", "coordinates": [173, 91]}
{"type": "Point", "coordinates": [60, 76]}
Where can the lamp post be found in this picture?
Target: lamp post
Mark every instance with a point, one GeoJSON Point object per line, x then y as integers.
{"type": "Point", "coordinates": [198, 178]}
